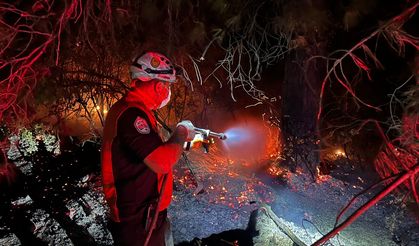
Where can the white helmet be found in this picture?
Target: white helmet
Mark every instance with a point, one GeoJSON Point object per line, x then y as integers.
{"type": "Point", "coordinates": [153, 65]}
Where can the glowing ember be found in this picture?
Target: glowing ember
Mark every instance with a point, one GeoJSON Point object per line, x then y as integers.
{"type": "Point", "coordinates": [232, 174]}
{"type": "Point", "coordinates": [225, 182]}
{"type": "Point", "coordinates": [321, 178]}
{"type": "Point", "coordinates": [275, 171]}
{"type": "Point", "coordinates": [340, 153]}
{"type": "Point", "coordinates": [299, 171]}
{"type": "Point", "coordinates": [242, 198]}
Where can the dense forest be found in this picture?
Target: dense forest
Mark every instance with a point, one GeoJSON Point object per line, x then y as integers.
{"type": "Point", "coordinates": [328, 78]}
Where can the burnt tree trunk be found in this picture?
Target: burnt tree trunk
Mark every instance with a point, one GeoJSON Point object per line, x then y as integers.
{"type": "Point", "coordinates": [300, 100]}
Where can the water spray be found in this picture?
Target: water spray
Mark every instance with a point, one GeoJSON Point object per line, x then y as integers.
{"type": "Point", "coordinates": [245, 141]}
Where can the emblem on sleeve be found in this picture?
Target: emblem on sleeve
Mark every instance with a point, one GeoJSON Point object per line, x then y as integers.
{"type": "Point", "coordinates": [141, 125]}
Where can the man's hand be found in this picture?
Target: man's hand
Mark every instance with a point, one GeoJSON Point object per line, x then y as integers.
{"type": "Point", "coordinates": [162, 159]}
{"type": "Point", "coordinates": [186, 129]}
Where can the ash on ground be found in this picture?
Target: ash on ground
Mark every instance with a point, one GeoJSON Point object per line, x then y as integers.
{"type": "Point", "coordinates": [215, 202]}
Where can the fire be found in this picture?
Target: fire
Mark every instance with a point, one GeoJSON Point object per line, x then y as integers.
{"type": "Point", "coordinates": [225, 182]}
{"type": "Point", "coordinates": [186, 180]}
{"type": "Point", "coordinates": [232, 174]}
{"type": "Point", "coordinates": [275, 171]}
{"type": "Point", "coordinates": [340, 153]}
{"type": "Point", "coordinates": [321, 178]}
{"type": "Point", "coordinates": [334, 153]}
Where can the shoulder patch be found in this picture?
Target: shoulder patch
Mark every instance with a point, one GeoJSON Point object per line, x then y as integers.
{"type": "Point", "coordinates": [141, 125]}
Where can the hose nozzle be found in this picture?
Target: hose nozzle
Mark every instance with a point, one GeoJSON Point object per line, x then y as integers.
{"type": "Point", "coordinates": [208, 133]}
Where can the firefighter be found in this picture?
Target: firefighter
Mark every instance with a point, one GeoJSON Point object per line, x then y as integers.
{"type": "Point", "coordinates": [136, 163]}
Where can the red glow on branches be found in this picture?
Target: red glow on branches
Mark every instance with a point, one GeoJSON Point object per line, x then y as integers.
{"type": "Point", "coordinates": [395, 36]}
{"type": "Point", "coordinates": [41, 27]}
{"type": "Point", "coordinates": [400, 154]}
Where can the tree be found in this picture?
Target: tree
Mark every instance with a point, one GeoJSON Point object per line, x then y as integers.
{"type": "Point", "coordinates": [79, 51]}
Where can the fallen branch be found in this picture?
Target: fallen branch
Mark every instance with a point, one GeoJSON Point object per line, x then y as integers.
{"type": "Point", "coordinates": [351, 202]}
{"type": "Point", "coordinates": [402, 178]}
{"type": "Point", "coordinates": [199, 185]}
{"type": "Point", "coordinates": [268, 211]}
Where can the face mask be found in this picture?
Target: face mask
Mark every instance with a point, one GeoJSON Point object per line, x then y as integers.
{"type": "Point", "coordinates": [166, 100]}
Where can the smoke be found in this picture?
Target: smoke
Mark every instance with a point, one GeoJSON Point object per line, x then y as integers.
{"type": "Point", "coordinates": [246, 141]}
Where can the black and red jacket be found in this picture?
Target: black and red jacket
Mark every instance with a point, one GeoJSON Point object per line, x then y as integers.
{"type": "Point", "coordinates": [130, 135]}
